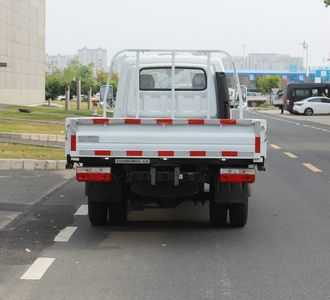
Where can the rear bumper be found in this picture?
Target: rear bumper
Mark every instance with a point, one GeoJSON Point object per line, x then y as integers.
{"type": "Point", "coordinates": [108, 162]}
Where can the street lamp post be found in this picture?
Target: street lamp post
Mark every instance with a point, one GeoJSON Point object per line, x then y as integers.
{"type": "Point", "coordinates": [305, 47]}
{"type": "Point", "coordinates": [244, 48]}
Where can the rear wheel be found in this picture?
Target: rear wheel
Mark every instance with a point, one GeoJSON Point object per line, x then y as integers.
{"type": "Point", "coordinates": [97, 212]}
{"type": "Point", "coordinates": [217, 214]}
{"type": "Point", "coordinates": [238, 214]}
{"type": "Point", "coordinates": [308, 112]}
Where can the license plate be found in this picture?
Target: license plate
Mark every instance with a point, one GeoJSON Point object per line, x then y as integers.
{"type": "Point", "coordinates": [132, 161]}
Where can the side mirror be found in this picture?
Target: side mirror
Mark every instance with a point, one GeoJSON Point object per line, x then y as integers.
{"type": "Point", "coordinates": [109, 96]}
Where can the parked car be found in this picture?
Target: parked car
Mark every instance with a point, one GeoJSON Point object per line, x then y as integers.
{"type": "Point", "coordinates": [294, 92]}
{"type": "Point", "coordinates": [61, 98]}
{"type": "Point", "coordinates": [312, 105]}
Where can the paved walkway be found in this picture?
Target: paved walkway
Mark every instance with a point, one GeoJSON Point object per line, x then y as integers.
{"type": "Point", "coordinates": [31, 142]}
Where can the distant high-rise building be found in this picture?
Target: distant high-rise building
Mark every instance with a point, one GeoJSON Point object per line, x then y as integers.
{"type": "Point", "coordinates": [97, 57]}
{"type": "Point", "coordinates": [266, 61]}
{"type": "Point", "coordinates": [22, 52]}
{"type": "Point", "coordinates": [58, 62]}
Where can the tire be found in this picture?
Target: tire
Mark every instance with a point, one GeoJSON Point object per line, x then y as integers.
{"type": "Point", "coordinates": [118, 213]}
{"type": "Point", "coordinates": [308, 112]}
{"type": "Point", "coordinates": [254, 104]}
{"type": "Point", "coordinates": [238, 214]}
{"type": "Point", "coordinates": [97, 212]}
{"type": "Point", "coordinates": [218, 214]}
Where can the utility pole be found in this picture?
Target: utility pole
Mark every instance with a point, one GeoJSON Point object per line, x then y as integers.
{"type": "Point", "coordinates": [305, 48]}
{"type": "Point", "coordinates": [244, 48]}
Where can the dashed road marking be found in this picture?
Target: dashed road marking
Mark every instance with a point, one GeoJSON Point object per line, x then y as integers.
{"type": "Point", "coordinates": [82, 210]}
{"type": "Point", "coordinates": [275, 146]}
{"type": "Point", "coordinates": [65, 234]}
{"type": "Point", "coordinates": [312, 168]}
{"type": "Point", "coordinates": [38, 268]}
{"type": "Point", "coordinates": [291, 155]}
{"type": "Point", "coordinates": [292, 122]}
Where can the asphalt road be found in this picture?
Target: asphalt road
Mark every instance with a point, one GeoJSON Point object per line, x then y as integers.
{"type": "Point", "coordinates": [282, 253]}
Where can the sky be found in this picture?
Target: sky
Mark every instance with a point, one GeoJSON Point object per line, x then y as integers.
{"type": "Point", "coordinates": [266, 26]}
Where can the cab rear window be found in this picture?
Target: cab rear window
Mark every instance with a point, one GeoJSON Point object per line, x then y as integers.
{"type": "Point", "coordinates": [160, 79]}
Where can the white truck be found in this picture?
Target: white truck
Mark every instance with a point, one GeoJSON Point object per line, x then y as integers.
{"type": "Point", "coordinates": [171, 139]}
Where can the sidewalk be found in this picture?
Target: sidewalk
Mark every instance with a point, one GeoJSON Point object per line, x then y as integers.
{"type": "Point", "coordinates": [33, 137]}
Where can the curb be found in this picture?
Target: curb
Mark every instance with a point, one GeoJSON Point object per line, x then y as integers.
{"type": "Point", "coordinates": [31, 164]}
{"type": "Point", "coordinates": [32, 121]}
{"type": "Point", "coordinates": [33, 137]}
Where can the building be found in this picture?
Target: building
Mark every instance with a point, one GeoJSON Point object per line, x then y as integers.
{"type": "Point", "coordinates": [97, 57]}
{"type": "Point", "coordinates": [22, 51]}
{"type": "Point", "coordinates": [58, 62]}
{"type": "Point", "coordinates": [266, 61]}
{"type": "Point", "coordinates": [249, 77]}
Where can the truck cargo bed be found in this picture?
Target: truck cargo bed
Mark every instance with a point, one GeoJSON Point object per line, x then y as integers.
{"type": "Point", "coordinates": [177, 138]}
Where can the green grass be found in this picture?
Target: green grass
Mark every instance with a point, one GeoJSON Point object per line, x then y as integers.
{"type": "Point", "coordinates": [265, 106]}
{"type": "Point", "coordinates": [33, 116]}
{"type": "Point", "coordinates": [26, 127]}
{"type": "Point", "coordinates": [45, 113]}
{"type": "Point", "coordinates": [58, 109]}
{"type": "Point", "coordinates": [18, 151]}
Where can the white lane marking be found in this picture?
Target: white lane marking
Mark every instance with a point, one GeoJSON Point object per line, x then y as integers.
{"type": "Point", "coordinates": [82, 210]}
{"type": "Point", "coordinates": [275, 146]}
{"type": "Point", "coordinates": [291, 122]}
{"type": "Point", "coordinates": [291, 155]}
{"type": "Point", "coordinates": [65, 234]}
{"type": "Point", "coordinates": [312, 168]}
{"type": "Point", "coordinates": [38, 268]}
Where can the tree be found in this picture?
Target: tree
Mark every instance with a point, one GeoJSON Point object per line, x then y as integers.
{"type": "Point", "coordinates": [101, 79]}
{"type": "Point", "coordinates": [58, 81]}
{"type": "Point", "coordinates": [326, 2]}
{"type": "Point", "coordinates": [74, 71]}
{"type": "Point", "coordinates": [54, 84]}
{"type": "Point", "coordinates": [266, 83]}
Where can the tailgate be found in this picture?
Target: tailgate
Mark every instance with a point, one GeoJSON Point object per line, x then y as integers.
{"type": "Point", "coordinates": [160, 138]}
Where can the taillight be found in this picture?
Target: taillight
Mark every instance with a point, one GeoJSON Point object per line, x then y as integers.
{"type": "Point", "coordinates": [237, 175]}
{"type": "Point", "coordinates": [88, 174]}
{"type": "Point", "coordinates": [73, 142]}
